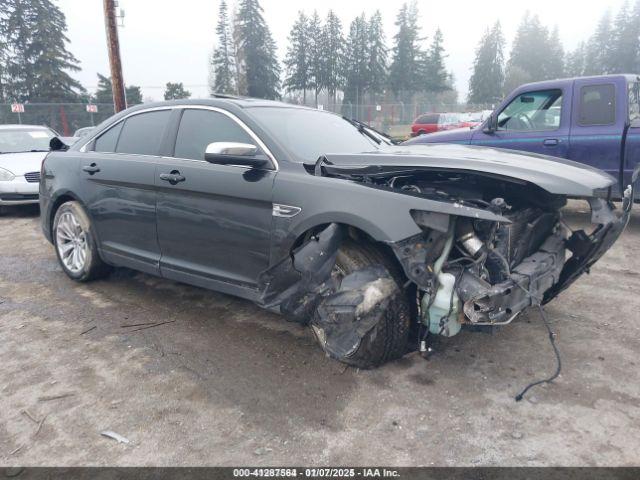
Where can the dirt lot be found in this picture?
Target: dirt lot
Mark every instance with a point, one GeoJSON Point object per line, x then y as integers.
{"type": "Point", "coordinates": [226, 383]}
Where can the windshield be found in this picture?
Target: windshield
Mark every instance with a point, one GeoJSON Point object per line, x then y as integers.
{"type": "Point", "coordinates": [634, 101]}
{"type": "Point", "coordinates": [308, 134]}
{"type": "Point", "coordinates": [25, 140]}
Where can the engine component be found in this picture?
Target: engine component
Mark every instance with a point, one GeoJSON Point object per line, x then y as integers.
{"type": "Point", "coordinates": [441, 311]}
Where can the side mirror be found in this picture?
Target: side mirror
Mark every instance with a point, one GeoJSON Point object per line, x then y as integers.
{"type": "Point", "coordinates": [492, 124]}
{"type": "Point", "coordinates": [231, 153]}
{"type": "Point", "coordinates": [57, 145]}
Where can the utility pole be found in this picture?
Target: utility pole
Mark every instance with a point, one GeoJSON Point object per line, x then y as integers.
{"type": "Point", "coordinates": [113, 45]}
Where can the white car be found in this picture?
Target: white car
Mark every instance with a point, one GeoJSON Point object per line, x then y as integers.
{"type": "Point", "coordinates": [22, 149]}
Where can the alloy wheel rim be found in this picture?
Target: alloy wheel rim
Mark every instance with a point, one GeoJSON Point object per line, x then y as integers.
{"type": "Point", "coordinates": [71, 242]}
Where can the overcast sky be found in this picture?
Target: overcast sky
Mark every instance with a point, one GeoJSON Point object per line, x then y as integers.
{"type": "Point", "coordinates": [166, 41]}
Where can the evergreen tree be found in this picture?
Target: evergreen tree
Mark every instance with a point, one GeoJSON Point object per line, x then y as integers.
{"type": "Point", "coordinates": [406, 54]}
{"type": "Point", "coordinates": [260, 63]}
{"type": "Point", "coordinates": [4, 51]}
{"type": "Point", "coordinates": [377, 68]}
{"type": "Point", "coordinates": [554, 67]}
{"type": "Point", "coordinates": [574, 64]}
{"type": "Point", "coordinates": [37, 61]}
{"type": "Point", "coordinates": [316, 55]}
{"type": "Point", "coordinates": [598, 51]}
{"type": "Point", "coordinates": [333, 55]}
{"type": "Point", "coordinates": [222, 60]}
{"type": "Point", "coordinates": [297, 61]}
{"type": "Point", "coordinates": [357, 61]}
{"type": "Point", "coordinates": [175, 91]}
{"type": "Point", "coordinates": [536, 54]}
{"type": "Point", "coordinates": [104, 92]}
{"type": "Point", "coordinates": [434, 75]}
{"type": "Point", "coordinates": [487, 79]}
{"type": "Point", "coordinates": [626, 37]}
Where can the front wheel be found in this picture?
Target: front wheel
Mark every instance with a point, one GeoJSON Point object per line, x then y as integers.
{"type": "Point", "coordinates": [75, 245]}
{"type": "Point", "coordinates": [388, 339]}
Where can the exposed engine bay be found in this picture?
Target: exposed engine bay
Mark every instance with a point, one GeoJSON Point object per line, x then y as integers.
{"type": "Point", "coordinates": [469, 268]}
{"type": "Point", "coordinates": [487, 272]}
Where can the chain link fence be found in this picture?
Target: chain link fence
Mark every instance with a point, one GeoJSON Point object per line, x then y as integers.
{"type": "Point", "coordinates": [65, 118]}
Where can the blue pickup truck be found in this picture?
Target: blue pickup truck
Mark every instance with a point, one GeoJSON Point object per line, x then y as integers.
{"type": "Point", "coordinates": [591, 120]}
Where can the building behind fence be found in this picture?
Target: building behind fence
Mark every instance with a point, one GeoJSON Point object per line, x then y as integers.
{"type": "Point", "coordinates": [66, 118]}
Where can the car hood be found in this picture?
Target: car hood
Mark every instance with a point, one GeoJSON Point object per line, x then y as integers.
{"type": "Point", "coordinates": [21, 163]}
{"type": "Point", "coordinates": [459, 135]}
{"type": "Point", "coordinates": [557, 176]}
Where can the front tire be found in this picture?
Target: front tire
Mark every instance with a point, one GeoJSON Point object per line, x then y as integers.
{"type": "Point", "coordinates": [75, 244]}
{"type": "Point", "coordinates": [388, 339]}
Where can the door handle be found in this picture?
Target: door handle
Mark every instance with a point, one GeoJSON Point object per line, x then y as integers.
{"type": "Point", "coordinates": [91, 169]}
{"type": "Point", "coordinates": [551, 142]}
{"type": "Point", "coordinates": [173, 178]}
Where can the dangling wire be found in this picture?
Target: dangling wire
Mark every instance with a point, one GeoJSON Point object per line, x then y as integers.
{"type": "Point", "coordinates": [552, 339]}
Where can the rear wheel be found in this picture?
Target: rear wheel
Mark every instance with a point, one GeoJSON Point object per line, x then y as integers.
{"type": "Point", "coordinates": [75, 244]}
{"type": "Point", "coordinates": [388, 339]}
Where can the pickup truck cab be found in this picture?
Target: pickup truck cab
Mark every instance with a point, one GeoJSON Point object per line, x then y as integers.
{"type": "Point", "coordinates": [591, 120]}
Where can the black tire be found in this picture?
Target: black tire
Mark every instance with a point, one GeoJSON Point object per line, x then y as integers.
{"type": "Point", "coordinates": [93, 267]}
{"type": "Point", "coordinates": [389, 338]}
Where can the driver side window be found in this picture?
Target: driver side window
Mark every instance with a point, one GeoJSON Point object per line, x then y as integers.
{"type": "Point", "coordinates": [532, 111]}
{"type": "Point", "coordinates": [199, 128]}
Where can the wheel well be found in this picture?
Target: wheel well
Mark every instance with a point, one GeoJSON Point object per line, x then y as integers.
{"type": "Point", "coordinates": [56, 205]}
{"type": "Point", "coordinates": [360, 236]}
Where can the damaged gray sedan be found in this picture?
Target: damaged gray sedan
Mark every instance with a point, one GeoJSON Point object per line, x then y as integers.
{"type": "Point", "coordinates": [373, 246]}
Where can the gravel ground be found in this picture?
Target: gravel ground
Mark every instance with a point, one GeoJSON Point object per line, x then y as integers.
{"type": "Point", "coordinates": [226, 383]}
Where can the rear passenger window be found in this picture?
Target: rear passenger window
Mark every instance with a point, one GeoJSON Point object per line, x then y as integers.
{"type": "Point", "coordinates": [597, 105]}
{"type": "Point", "coordinates": [107, 141]}
{"type": "Point", "coordinates": [143, 133]}
{"type": "Point", "coordinates": [199, 128]}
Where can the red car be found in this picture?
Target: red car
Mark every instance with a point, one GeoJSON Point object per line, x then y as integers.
{"type": "Point", "coordinates": [435, 122]}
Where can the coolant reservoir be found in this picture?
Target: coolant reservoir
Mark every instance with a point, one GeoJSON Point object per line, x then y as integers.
{"type": "Point", "coordinates": [443, 312]}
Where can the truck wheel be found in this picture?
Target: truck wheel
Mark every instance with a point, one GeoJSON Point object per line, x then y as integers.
{"type": "Point", "coordinates": [75, 244]}
{"type": "Point", "coordinates": [388, 339]}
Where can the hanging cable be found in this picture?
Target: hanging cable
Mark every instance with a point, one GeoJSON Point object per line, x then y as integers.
{"type": "Point", "coordinates": [552, 339]}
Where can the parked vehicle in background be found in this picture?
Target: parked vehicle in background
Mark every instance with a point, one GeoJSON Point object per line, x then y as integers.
{"type": "Point", "coordinates": [22, 149]}
{"type": "Point", "coordinates": [308, 213]}
{"type": "Point", "coordinates": [470, 119]}
{"type": "Point", "coordinates": [434, 122]}
{"type": "Point", "coordinates": [591, 120]}
{"type": "Point", "coordinates": [82, 132]}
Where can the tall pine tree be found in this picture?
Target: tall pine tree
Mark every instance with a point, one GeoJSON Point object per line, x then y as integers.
{"type": "Point", "coordinates": [357, 61]}
{"type": "Point", "coordinates": [536, 54]}
{"type": "Point", "coordinates": [406, 54]}
{"type": "Point", "coordinates": [333, 53]}
{"type": "Point", "coordinates": [297, 61]}
{"type": "Point", "coordinates": [377, 69]}
{"type": "Point", "coordinates": [222, 60]}
{"type": "Point", "coordinates": [487, 79]}
{"type": "Point", "coordinates": [598, 51]}
{"type": "Point", "coordinates": [574, 64]}
{"type": "Point", "coordinates": [261, 70]}
{"type": "Point", "coordinates": [316, 55]}
{"type": "Point", "coordinates": [434, 73]}
{"type": "Point", "coordinates": [37, 61]}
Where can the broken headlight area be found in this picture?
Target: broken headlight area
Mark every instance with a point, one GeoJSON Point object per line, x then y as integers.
{"type": "Point", "coordinates": [486, 273]}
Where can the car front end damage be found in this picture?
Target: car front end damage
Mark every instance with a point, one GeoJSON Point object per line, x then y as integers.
{"type": "Point", "coordinates": [496, 246]}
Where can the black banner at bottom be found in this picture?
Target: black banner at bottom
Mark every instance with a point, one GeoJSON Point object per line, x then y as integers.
{"type": "Point", "coordinates": [427, 473]}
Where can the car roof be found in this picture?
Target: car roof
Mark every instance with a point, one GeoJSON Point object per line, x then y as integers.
{"type": "Point", "coordinates": [551, 82]}
{"type": "Point", "coordinates": [221, 101]}
{"type": "Point", "coordinates": [23, 127]}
